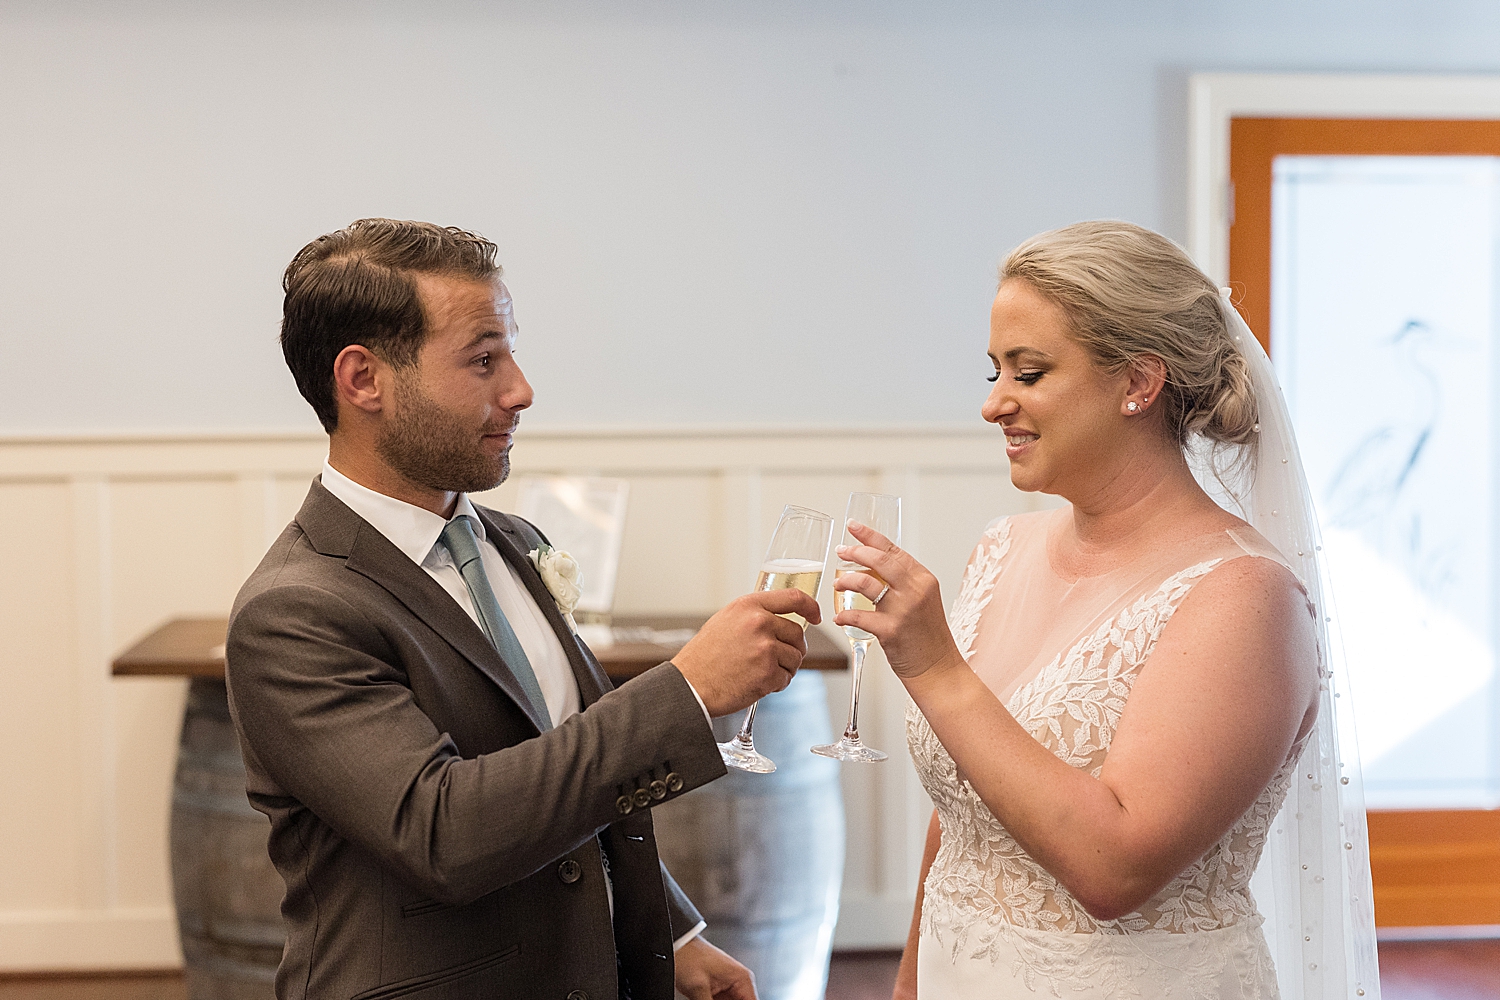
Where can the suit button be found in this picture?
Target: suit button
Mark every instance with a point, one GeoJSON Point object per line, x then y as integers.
{"type": "Point", "coordinates": [578, 995]}
{"type": "Point", "coordinates": [642, 798]}
{"type": "Point", "coordinates": [658, 789]}
{"type": "Point", "coordinates": [569, 871]}
{"type": "Point", "coordinates": [674, 782]}
{"type": "Point", "coordinates": [624, 804]}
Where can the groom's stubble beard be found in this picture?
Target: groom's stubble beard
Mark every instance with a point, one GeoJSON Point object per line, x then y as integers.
{"type": "Point", "coordinates": [434, 448]}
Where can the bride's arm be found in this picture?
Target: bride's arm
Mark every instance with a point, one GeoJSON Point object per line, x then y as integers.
{"type": "Point", "coordinates": [906, 974]}
{"type": "Point", "coordinates": [1230, 684]}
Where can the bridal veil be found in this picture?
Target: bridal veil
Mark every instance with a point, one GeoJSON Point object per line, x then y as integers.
{"type": "Point", "coordinates": [1313, 883]}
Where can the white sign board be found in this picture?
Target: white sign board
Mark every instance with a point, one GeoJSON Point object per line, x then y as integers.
{"type": "Point", "coordinates": [584, 517]}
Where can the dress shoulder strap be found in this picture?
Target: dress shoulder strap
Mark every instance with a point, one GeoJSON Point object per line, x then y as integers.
{"type": "Point", "coordinates": [984, 568]}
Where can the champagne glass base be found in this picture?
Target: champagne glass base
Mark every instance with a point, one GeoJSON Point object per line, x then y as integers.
{"type": "Point", "coordinates": [745, 758]}
{"type": "Point", "coordinates": [851, 750]}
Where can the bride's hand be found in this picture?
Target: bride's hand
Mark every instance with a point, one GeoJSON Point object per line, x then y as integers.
{"type": "Point", "coordinates": [908, 618]}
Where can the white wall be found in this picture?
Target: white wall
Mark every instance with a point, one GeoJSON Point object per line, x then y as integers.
{"type": "Point", "coordinates": [763, 212]}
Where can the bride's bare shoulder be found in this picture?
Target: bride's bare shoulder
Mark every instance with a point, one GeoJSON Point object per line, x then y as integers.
{"type": "Point", "coordinates": [1251, 594]}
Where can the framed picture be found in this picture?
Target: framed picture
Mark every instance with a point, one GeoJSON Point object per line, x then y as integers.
{"type": "Point", "coordinates": [585, 517]}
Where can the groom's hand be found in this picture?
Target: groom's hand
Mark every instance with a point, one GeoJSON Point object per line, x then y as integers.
{"type": "Point", "coordinates": [703, 972]}
{"type": "Point", "coordinates": [747, 651]}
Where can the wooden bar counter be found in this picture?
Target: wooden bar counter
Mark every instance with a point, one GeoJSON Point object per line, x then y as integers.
{"type": "Point", "coordinates": [194, 647]}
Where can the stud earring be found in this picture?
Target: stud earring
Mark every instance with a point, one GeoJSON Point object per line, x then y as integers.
{"type": "Point", "coordinates": [1131, 406]}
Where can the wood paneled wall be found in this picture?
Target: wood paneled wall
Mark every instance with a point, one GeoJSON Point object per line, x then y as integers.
{"type": "Point", "coordinates": [102, 539]}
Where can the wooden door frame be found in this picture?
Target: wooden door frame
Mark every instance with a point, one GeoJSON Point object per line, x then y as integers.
{"type": "Point", "coordinates": [1215, 99]}
{"type": "Point", "coordinates": [1255, 142]}
{"type": "Point", "coordinates": [1430, 867]}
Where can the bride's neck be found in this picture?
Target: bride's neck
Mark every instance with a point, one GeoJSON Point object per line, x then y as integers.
{"type": "Point", "coordinates": [1136, 502]}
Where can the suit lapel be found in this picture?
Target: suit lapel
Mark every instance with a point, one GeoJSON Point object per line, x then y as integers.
{"type": "Point", "coordinates": [591, 680]}
{"type": "Point", "coordinates": [336, 530]}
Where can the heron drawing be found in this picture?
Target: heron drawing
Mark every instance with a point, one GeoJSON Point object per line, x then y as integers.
{"type": "Point", "coordinates": [1367, 487]}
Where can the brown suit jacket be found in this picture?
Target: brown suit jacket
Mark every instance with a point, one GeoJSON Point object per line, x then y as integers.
{"type": "Point", "coordinates": [435, 843]}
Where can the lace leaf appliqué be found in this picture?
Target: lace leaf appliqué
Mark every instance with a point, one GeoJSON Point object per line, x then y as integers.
{"type": "Point", "coordinates": [983, 887]}
{"type": "Point", "coordinates": [978, 585]}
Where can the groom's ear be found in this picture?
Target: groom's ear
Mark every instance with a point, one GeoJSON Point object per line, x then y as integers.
{"type": "Point", "coordinates": [360, 380]}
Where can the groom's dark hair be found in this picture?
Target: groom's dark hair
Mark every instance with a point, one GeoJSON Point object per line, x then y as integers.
{"type": "Point", "coordinates": [356, 286]}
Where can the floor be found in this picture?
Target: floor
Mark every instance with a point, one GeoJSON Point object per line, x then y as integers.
{"type": "Point", "coordinates": [1440, 970]}
{"type": "Point", "coordinates": [1409, 970]}
{"type": "Point", "coordinates": [862, 975]}
{"type": "Point", "coordinates": [135, 987]}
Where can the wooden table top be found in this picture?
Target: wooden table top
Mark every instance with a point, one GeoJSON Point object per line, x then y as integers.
{"type": "Point", "coordinates": [194, 647]}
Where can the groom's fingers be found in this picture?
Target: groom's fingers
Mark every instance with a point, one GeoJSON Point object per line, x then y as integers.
{"type": "Point", "coordinates": [744, 985]}
{"type": "Point", "coordinates": [791, 647]}
{"type": "Point", "coordinates": [747, 650]}
{"type": "Point", "coordinates": [789, 633]}
{"type": "Point", "coordinates": [742, 988]}
{"type": "Point", "coordinates": [789, 602]}
{"type": "Point", "coordinates": [789, 660]}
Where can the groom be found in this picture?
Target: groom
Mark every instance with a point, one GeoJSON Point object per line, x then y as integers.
{"type": "Point", "coordinates": [460, 804]}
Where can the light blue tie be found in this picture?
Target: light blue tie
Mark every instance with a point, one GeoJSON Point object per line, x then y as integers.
{"type": "Point", "coordinates": [458, 537]}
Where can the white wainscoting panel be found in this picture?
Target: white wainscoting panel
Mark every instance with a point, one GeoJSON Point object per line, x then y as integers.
{"type": "Point", "coordinates": [105, 538]}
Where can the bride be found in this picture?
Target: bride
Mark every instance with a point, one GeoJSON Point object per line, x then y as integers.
{"type": "Point", "coordinates": [1128, 686]}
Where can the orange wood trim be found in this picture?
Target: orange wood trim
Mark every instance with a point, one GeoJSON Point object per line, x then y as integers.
{"type": "Point", "coordinates": [1250, 156]}
{"type": "Point", "coordinates": [1435, 867]}
{"type": "Point", "coordinates": [1430, 868]}
{"type": "Point", "coordinates": [1255, 142]}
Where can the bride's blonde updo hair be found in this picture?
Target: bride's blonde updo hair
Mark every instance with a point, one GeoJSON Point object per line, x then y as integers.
{"type": "Point", "coordinates": [1130, 293]}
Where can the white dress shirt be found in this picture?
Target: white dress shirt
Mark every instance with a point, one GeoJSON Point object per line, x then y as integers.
{"type": "Point", "coordinates": [415, 531]}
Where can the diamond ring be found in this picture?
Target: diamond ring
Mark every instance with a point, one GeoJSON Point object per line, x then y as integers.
{"type": "Point", "coordinates": [883, 591]}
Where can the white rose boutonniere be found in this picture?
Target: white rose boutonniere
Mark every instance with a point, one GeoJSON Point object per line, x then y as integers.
{"type": "Point", "coordinates": [562, 576]}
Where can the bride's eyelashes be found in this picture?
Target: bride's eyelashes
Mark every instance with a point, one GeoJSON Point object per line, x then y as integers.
{"type": "Point", "coordinates": [1025, 378]}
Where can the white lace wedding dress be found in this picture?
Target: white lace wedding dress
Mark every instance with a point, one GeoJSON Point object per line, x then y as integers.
{"type": "Point", "coordinates": [1063, 655]}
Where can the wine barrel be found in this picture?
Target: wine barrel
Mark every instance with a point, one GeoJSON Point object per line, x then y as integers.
{"type": "Point", "coordinates": [228, 893]}
{"type": "Point", "coordinates": [762, 855]}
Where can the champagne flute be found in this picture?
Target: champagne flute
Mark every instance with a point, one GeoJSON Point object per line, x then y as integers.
{"type": "Point", "coordinates": [883, 513]}
{"type": "Point", "coordinates": [794, 560]}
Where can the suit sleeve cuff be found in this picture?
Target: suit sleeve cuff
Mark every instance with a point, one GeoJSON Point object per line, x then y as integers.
{"type": "Point", "coordinates": [677, 945]}
{"type": "Point", "coordinates": [699, 699]}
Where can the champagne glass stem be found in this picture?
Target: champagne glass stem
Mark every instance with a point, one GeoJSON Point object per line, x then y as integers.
{"type": "Point", "coordinates": [740, 752]}
{"type": "Point", "coordinates": [850, 747]}
{"type": "Point", "coordinates": [744, 737]}
{"type": "Point", "coordinates": [861, 647]}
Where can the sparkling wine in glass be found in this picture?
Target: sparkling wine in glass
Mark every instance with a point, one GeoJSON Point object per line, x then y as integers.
{"type": "Point", "coordinates": [794, 561]}
{"type": "Point", "coordinates": [883, 513]}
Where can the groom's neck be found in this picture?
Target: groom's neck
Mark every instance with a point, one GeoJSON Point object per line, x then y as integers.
{"type": "Point", "coordinates": [360, 461]}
